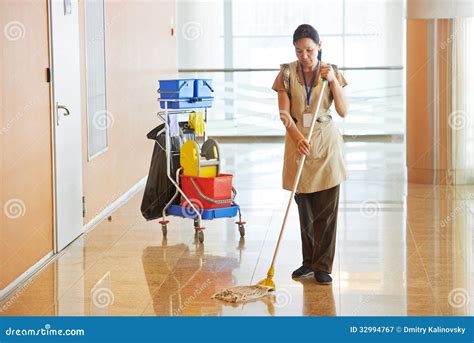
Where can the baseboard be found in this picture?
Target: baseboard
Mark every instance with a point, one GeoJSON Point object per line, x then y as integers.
{"type": "Point", "coordinates": [12, 286]}
{"type": "Point", "coordinates": [32, 271]}
{"type": "Point", "coordinates": [115, 205]}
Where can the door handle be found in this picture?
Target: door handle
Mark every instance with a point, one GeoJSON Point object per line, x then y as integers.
{"type": "Point", "coordinates": [61, 107]}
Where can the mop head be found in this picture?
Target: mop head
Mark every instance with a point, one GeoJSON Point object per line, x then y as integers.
{"type": "Point", "coordinates": [242, 293]}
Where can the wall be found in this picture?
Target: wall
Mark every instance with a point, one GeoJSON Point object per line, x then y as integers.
{"type": "Point", "coordinates": [139, 51]}
{"type": "Point", "coordinates": [429, 90]}
{"type": "Point", "coordinates": [26, 231]}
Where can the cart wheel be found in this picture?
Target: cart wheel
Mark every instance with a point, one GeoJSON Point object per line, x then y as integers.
{"type": "Point", "coordinates": [200, 236]}
{"type": "Point", "coordinates": [242, 230]}
{"type": "Point", "coordinates": [164, 229]}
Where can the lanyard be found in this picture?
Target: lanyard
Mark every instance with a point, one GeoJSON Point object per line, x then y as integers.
{"type": "Point", "coordinates": [308, 90]}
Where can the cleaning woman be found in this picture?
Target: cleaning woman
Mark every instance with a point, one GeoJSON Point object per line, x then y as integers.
{"type": "Point", "coordinates": [299, 87]}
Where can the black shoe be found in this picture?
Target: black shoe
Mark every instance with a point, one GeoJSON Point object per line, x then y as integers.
{"type": "Point", "coordinates": [323, 278]}
{"type": "Point", "coordinates": [302, 271]}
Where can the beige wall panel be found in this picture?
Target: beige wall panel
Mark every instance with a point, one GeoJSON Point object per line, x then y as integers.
{"type": "Point", "coordinates": [26, 232]}
{"type": "Point", "coordinates": [418, 144]}
{"type": "Point", "coordinates": [139, 51]}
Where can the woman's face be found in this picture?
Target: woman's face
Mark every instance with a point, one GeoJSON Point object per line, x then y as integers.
{"type": "Point", "coordinates": [307, 51]}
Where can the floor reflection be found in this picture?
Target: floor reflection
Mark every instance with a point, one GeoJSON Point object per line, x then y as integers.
{"type": "Point", "coordinates": [318, 300]}
{"type": "Point", "coordinates": [402, 249]}
{"type": "Point", "coordinates": [192, 281]}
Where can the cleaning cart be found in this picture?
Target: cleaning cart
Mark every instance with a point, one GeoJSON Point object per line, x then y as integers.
{"type": "Point", "coordinates": [206, 193]}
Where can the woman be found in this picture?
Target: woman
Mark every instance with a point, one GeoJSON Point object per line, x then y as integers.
{"type": "Point", "coordinates": [299, 86]}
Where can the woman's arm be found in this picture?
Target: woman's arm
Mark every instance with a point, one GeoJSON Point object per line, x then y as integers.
{"type": "Point", "coordinates": [287, 120]}
{"type": "Point", "coordinates": [340, 100]}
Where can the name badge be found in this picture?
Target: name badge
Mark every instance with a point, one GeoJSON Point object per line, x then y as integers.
{"type": "Point", "coordinates": [307, 119]}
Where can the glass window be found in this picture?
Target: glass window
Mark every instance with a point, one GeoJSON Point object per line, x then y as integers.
{"type": "Point", "coordinates": [354, 33]}
{"type": "Point", "coordinates": [98, 119]}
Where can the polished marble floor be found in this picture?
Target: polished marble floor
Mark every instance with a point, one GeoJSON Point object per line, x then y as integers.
{"type": "Point", "coordinates": [402, 249]}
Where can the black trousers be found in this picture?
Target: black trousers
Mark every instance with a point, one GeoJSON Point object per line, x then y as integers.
{"type": "Point", "coordinates": [318, 223]}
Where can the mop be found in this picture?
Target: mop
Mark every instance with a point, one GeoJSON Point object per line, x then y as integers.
{"type": "Point", "coordinates": [246, 293]}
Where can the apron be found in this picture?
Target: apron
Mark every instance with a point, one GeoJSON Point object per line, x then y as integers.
{"type": "Point", "coordinates": [324, 167]}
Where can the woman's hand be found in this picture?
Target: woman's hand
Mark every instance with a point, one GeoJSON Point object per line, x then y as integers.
{"type": "Point", "coordinates": [303, 146]}
{"type": "Point", "coordinates": [327, 72]}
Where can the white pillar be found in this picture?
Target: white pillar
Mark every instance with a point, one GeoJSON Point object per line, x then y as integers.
{"type": "Point", "coordinates": [198, 34]}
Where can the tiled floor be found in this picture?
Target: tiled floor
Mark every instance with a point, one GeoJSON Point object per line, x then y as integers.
{"type": "Point", "coordinates": [403, 249]}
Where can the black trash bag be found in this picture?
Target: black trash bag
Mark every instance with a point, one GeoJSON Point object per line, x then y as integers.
{"type": "Point", "coordinates": [159, 189]}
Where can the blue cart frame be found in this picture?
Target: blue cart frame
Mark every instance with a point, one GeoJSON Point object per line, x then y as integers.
{"type": "Point", "coordinates": [190, 212]}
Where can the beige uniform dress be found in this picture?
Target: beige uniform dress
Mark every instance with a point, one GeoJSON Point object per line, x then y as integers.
{"type": "Point", "coordinates": [324, 167]}
{"type": "Point", "coordinates": [317, 194]}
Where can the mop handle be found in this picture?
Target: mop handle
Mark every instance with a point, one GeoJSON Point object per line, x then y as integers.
{"type": "Point", "coordinates": [298, 174]}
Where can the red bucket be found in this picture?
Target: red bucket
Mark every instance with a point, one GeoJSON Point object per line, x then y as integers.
{"type": "Point", "coordinates": [197, 189]}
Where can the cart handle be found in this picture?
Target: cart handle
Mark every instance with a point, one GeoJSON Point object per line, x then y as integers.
{"type": "Point", "coordinates": [208, 85]}
{"type": "Point", "coordinates": [214, 201]}
{"type": "Point", "coordinates": [190, 100]}
{"type": "Point", "coordinates": [173, 92]}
